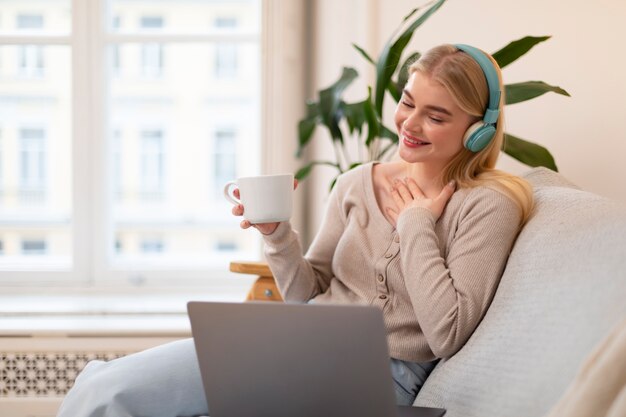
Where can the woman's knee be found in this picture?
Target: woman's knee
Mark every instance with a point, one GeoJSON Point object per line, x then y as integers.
{"type": "Point", "coordinates": [92, 392]}
{"type": "Point", "coordinates": [150, 382]}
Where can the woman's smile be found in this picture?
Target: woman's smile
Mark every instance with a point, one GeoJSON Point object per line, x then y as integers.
{"type": "Point", "coordinates": [412, 141]}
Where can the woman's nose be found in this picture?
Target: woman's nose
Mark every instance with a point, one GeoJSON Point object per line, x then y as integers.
{"type": "Point", "coordinates": [412, 123]}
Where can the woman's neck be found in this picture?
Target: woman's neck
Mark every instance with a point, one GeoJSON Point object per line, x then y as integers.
{"type": "Point", "coordinates": [428, 177]}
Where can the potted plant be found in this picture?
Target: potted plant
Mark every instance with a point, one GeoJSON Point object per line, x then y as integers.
{"type": "Point", "coordinates": [364, 119]}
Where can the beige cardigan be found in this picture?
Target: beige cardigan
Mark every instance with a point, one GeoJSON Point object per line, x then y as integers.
{"type": "Point", "coordinates": [433, 280]}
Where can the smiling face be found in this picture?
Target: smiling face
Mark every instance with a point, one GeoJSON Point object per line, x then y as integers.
{"type": "Point", "coordinates": [430, 124]}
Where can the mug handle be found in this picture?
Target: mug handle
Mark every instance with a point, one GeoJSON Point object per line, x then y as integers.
{"type": "Point", "coordinates": [229, 197]}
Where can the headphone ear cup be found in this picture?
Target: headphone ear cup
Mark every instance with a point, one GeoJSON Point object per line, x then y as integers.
{"type": "Point", "coordinates": [478, 135]}
{"type": "Point", "coordinates": [469, 133]}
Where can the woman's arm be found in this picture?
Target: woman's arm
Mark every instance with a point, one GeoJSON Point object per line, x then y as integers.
{"type": "Point", "coordinates": [450, 296]}
{"type": "Point", "coordinates": [301, 278]}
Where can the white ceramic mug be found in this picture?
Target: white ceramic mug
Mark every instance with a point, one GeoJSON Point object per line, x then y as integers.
{"type": "Point", "coordinates": [265, 198]}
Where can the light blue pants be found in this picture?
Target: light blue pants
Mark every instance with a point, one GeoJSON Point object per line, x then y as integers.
{"type": "Point", "coordinates": [165, 382]}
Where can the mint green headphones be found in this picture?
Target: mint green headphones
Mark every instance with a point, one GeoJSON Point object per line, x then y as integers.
{"type": "Point", "coordinates": [481, 133]}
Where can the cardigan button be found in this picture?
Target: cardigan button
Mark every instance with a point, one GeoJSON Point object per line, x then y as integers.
{"type": "Point", "coordinates": [389, 255]}
{"type": "Point", "coordinates": [381, 278]}
{"type": "Point", "coordinates": [396, 239]}
{"type": "Point", "coordinates": [382, 297]}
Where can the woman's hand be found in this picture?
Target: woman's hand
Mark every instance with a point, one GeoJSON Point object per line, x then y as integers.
{"type": "Point", "coordinates": [264, 228]}
{"type": "Point", "coordinates": [407, 194]}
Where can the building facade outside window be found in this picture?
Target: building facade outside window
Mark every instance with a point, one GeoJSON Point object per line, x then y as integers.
{"type": "Point", "coordinates": [32, 165]}
{"type": "Point", "coordinates": [34, 247]}
{"type": "Point", "coordinates": [152, 163]}
{"type": "Point", "coordinates": [87, 207]}
{"type": "Point", "coordinates": [224, 158]}
{"type": "Point", "coordinates": [31, 57]}
{"type": "Point", "coordinates": [152, 52]}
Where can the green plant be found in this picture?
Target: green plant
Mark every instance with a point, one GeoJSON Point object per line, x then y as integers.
{"type": "Point", "coordinates": [362, 120]}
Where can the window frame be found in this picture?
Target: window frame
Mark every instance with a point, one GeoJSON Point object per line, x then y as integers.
{"type": "Point", "coordinates": [91, 223]}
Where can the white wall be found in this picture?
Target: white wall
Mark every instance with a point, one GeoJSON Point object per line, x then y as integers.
{"type": "Point", "coordinates": [585, 133]}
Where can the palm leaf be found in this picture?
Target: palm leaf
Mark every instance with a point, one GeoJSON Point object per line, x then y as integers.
{"type": "Point", "coordinates": [519, 92]}
{"type": "Point", "coordinates": [528, 153]}
{"type": "Point", "coordinates": [306, 126]}
{"type": "Point", "coordinates": [330, 101]}
{"type": "Point", "coordinates": [516, 49]}
{"type": "Point", "coordinates": [391, 53]}
{"type": "Point", "coordinates": [306, 170]}
{"type": "Point", "coordinates": [363, 53]}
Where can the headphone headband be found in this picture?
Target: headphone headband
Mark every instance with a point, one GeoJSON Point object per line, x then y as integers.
{"type": "Point", "coordinates": [493, 83]}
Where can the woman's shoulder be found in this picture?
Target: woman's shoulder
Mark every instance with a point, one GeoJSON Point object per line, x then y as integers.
{"type": "Point", "coordinates": [354, 176]}
{"type": "Point", "coordinates": [484, 200]}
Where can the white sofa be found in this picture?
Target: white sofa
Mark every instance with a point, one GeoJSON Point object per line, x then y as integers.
{"type": "Point", "coordinates": [563, 289]}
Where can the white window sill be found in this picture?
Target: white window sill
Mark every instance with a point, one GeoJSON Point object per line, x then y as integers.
{"type": "Point", "coordinates": [90, 313]}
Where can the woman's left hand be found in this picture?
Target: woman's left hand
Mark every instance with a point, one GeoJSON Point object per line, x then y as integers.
{"type": "Point", "coordinates": [407, 194]}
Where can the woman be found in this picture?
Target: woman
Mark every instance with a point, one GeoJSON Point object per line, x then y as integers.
{"type": "Point", "coordinates": [398, 236]}
{"type": "Point", "coordinates": [395, 235]}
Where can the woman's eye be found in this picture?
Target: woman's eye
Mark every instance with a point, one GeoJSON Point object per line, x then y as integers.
{"type": "Point", "coordinates": [435, 119]}
{"type": "Point", "coordinates": [406, 103]}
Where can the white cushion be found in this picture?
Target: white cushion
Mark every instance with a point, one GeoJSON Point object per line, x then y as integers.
{"type": "Point", "coordinates": [563, 289]}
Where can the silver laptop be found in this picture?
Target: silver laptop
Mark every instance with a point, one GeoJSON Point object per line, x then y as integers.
{"type": "Point", "coordinates": [267, 359]}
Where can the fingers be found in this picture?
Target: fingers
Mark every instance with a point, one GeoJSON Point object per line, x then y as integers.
{"type": "Point", "coordinates": [415, 189]}
{"type": "Point", "coordinates": [404, 191]}
{"type": "Point", "coordinates": [245, 224]}
{"type": "Point", "coordinates": [393, 215]}
{"type": "Point", "coordinates": [439, 203]}
{"type": "Point", "coordinates": [446, 193]}
{"type": "Point", "coordinates": [237, 210]}
{"type": "Point", "coordinates": [295, 184]}
{"type": "Point", "coordinates": [236, 193]}
{"type": "Point", "coordinates": [397, 198]}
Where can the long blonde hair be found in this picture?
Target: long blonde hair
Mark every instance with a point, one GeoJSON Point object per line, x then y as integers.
{"type": "Point", "coordinates": [463, 78]}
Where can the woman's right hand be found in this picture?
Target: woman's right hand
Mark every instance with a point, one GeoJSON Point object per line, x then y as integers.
{"type": "Point", "coordinates": [264, 228]}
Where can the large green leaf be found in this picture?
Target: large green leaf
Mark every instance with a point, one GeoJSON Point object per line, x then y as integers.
{"type": "Point", "coordinates": [363, 53]}
{"type": "Point", "coordinates": [306, 170]}
{"type": "Point", "coordinates": [387, 133]}
{"type": "Point", "coordinates": [373, 123]}
{"type": "Point", "coordinates": [306, 126]}
{"type": "Point", "coordinates": [519, 92]}
{"type": "Point", "coordinates": [403, 75]}
{"type": "Point", "coordinates": [355, 115]}
{"type": "Point", "coordinates": [395, 88]}
{"type": "Point", "coordinates": [528, 153]}
{"type": "Point", "coordinates": [330, 101]}
{"type": "Point", "coordinates": [391, 53]}
{"type": "Point", "coordinates": [516, 49]}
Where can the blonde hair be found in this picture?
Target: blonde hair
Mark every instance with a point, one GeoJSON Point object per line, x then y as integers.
{"type": "Point", "coordinates": [463, 78]}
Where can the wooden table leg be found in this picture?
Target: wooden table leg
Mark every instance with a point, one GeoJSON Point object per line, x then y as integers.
{"type": "Point", "coordinates": [264, 288]}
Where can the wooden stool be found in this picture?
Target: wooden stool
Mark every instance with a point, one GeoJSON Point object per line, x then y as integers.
{"type": "Point", "coordinates": [264, 288]}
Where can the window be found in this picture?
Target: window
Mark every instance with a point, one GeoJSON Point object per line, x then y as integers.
{"type": "Point", "coordinates": [225, 60]}
{"type": "Point", "coordinates": [34, 247]}
{"type": "Point", "coordinates": [224, 159]}
{"type": "Point", "coordinates": [225, 52]}
{"type": "Point", "coordinates": [151, 246]}
{"type": "Point", "coordinates": [31, 58]}
{"type": "Point", "coordinates": [152, 163]}
{"type": "Point", "coordinates": [225, 22]}
{"type": "Point", "coordinates": [117, 163]}
{"type": "Point", "coordinates": [32, 165]}
{"type": "Point", "coordinates": [105, 162]}
{"type": "Point", "coordinates": [115, 50]}
{"type": "Point", "coordinates": [226, 246]}
{"type": "Point", "coordinates": [152, 53]}
{"type": "Point", "coordinates": [29, 21]}
{"type": "Point", "coordinates": [1, 168]}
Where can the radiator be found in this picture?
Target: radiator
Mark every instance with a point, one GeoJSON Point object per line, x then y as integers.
{"type": "Point", "coordinates": [37, 372]}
